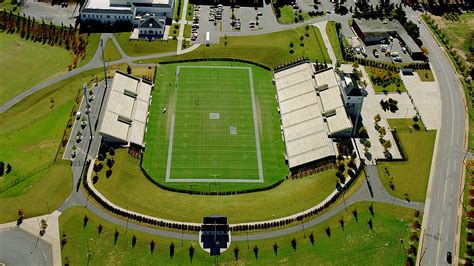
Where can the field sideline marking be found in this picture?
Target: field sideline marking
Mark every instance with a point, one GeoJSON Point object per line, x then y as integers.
{"type": "Point", "coordinates": [255, 122]}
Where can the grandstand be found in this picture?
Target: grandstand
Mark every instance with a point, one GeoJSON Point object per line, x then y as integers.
{"type": "Point", "coordinates": [126, 111]}
{"type": "Point", "coordinates": [312, 112]}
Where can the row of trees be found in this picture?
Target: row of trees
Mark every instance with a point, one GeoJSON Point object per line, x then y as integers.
{"type": "Point", "coordinates": [186, 227]}
{"type": "Point", "coordinates": [464, 68]}
{"type": "Point", "coordinates": [30, 29]}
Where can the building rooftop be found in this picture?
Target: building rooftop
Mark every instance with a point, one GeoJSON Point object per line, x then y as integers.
{"type": "Point", "coordinates": [126, 110]}
{"type": "Point", "coordinates": [304, 98]}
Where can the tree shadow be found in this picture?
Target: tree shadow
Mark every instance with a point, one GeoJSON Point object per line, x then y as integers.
{"type": "Point", "coordinates": [275, 249]}
{"type": "Point", "coordinates": [328, 231]}
{"type": "Point", "coordinates": [255, 251]}
{"type": "Point", "coordinates": [311, 238]}
{"type": "Point", "coordinates": [371, 225]}
{"type": "Point", "coordinates": [293, 244]}
{"type": "Point", "coordinates": [85, 221]}
{"type": "Point", "coordinates": [341, 222]}
{"type": "Point", "coordinates": [355, 214]}
{"type": "Point", "coordinates": [116, 235]}
{"type": "Point", "coordinates": [152, 247]}
{"type": "Point", "coordinates": [371, 210]}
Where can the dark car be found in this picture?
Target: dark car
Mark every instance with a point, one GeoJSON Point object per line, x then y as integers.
{"type": "Point", "coordinates": [449, 258]}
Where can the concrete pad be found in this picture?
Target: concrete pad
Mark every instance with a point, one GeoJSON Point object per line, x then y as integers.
{"type": "Point", "coordinates": [31, 227]}
{"type": "Point", "coordinates": [427, 99]}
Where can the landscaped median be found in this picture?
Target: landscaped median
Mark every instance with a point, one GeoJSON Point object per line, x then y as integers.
{"type": "Point", "coordinates": [353, 237]}
{"type": "Point", "coordinates": [271, 49]}
{"type": "Point", "coordinates": [141, 47]}
{"type": "Point", "coordinates": [409, 179]}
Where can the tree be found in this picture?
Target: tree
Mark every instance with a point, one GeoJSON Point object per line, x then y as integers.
{"type": "Point", "coordinates": [425, 51]}
{"type": "Point", "coordinates": [293, 244]}
{"type": "Point", "coordinates": [311, 238]}
{"type": "Point", "coordinates": [363, 132]}
{"type": "Point", "coordinates": [2, 168]}
{"type": "Point", "coordinates": [236, 253]}
{"type": "Point", "coordinates": [377, 119]}
{"type": "Point", "coordinates": [412, 29]}
{"type": "Point", "coordinates": [152, 246]}
{"type": "Point", "coordinates": [191, 253]}
{"type": "Point", "coordinates": [275, 249]}
{"type": "Point", "coordinates": [129, 70]}
{"type": "Point", "coordinates": [367, 145]}
{"type": "Point", "coordinates": [382, 132]}
{"type": "Point", "coordinates": [255, 251]}
{"type": "Point", "coordinates": [387, 145]}
{"type": "Point", "coordinates": [171, 250]}
{"type": "Point", "coordinates": [134, 241]}
{"type": "Point", "coordinates": [355, 65]}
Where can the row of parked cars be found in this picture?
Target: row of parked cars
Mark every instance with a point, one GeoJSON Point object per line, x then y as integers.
{"type": "Point", "coordinates": [215, 13]}
{"type": "Point", "coordinates": [195, 26]}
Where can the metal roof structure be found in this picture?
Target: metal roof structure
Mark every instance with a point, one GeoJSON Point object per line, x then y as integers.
{"type": "Point", "coordinates": [126, 111]}
{"type": "Point", "coordinates": [311, 110]}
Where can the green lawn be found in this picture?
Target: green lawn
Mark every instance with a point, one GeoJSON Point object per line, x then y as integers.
{"type": "Point", "coordinates": [396, 85]}
{"type": "Point", "coordinates": [93, 40]}
{"type": "Point", "coordinates": [411, 176]}
{"type": "Point", "coordinates": [187, 31]}
{"type": "Point", "coordinates": [273, 48]}
{"type": "Point", "coordinates": [189, 12]}
{"type": "Point", "coordinates": [140, 47]}
{"type": "Point", "coordinates": [206, 145]}
{"type": "Point", "coordinates": [9, 5]}
{"type": "Point", "coordinates": [35, 62]}
{"type": "Point", "coordinates": [357, 244]}
{"type": "Point", "coordinates": [175, 11]}
{"type": "Point", "coordinates": [288, 15]}
{"type": "Point", "coordinates": [425, 75]}
{"type": "Point", "coordinates": [332, 35]}
{"type": "Point", "coordinates": [127, 187]}
{"type": "Point", "coordinates": [459, 29]}
{"type": "Point", "coordinates": [111, 52]}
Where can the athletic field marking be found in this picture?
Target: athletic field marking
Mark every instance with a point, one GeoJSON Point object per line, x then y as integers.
{"type": "Point", "coordinates": [255, 122]}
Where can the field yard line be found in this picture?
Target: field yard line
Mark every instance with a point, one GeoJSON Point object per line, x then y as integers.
{"type": "Point", "coordinates": [170, 146]}
{"type": "Point", "coordinates": [255, 125]}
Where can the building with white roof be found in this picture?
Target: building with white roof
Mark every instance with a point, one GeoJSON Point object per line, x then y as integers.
{"type": "Point", "coordinates": [124, 118]}
{"type": "Point", "coordinates": [133, 12]}
{"type": "Point", "coordinates": [312, 112]}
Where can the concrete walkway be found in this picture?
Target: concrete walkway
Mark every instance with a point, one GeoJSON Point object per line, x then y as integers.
{"type": "Point", "coordinates": [322, 28]}
{"type": "Point", "coordinates": [182, 22]}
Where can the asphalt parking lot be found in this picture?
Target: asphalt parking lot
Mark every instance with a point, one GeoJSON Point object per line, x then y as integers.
{"type": "Point", "coordinates": [17, 247]}
{"type": "Point", "coordinates": [245, 15]}
{"type": "Point", "coordinates": [393, 46]}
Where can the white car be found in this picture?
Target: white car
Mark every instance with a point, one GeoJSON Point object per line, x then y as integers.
{"type": "Point", "coordinates": [404, 50]}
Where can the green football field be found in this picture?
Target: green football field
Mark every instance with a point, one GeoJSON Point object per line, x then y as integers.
{"type": "Point", "coordinates": [213, 130]}
{"type": "Point", "coordinates": [221, 125]}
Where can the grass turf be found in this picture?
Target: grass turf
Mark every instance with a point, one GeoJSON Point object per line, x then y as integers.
{"type": "Point", "coordinates": [357, 244]}
{"type": "Point", "coordinates": [410, 176]}
{"type": "Point", "coordinates": [138, 48]}
{"type": "Point", "coordinates": [463, 243]}
{"type": "Point", "coordinates": [29, 139]}
{"type": "Point", "coordinates": [273, 48]}
{"type": "Point", "coordinates": [392, 87]}
{"type": "Point", "coordinates": [425, 75]}
{"type": "Point", "coordinates": [332, 35]}
{"type": "Point", "coordinates": [111, 52]}
{"type": "Point", "coordinates": [35, 62]}
{"type": "Point", "coordinates": [288, 15]}
{"type": "Point", "coordinates": [193, 137]}
{"type": "Point", "coordinates": [203, 147]}
{"type": "Point", "coordinates": [127, 187]}
{"type": "Point", "coordinates": [459, 29]}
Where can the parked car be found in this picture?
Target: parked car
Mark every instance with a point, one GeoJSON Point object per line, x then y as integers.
{"type": "Point", "coordinates": [376, 54]}
{"type": "Point", "coordinates": [404, 50]}
{"type": "Point", "coordinates": [449, 257]}
{"type": "Point", "coordinates": [397, 59]}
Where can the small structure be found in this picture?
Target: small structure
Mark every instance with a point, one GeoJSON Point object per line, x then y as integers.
{"type": "Point", "coordinates": [373, 31]}
{"type": "Point", "coordinates": [151, 27]}
{"type": "Point", "coordinates": [208, 38]}
{"type": "Point", "coordinates": [123, 121]}
{"type": "Point", "coordinates": [214, 236]}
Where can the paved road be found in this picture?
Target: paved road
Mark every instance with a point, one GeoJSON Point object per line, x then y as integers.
{"type": "Point", "coordinates": [440, 218]}
{"type": "Point", "coordinates": [442, 201]}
